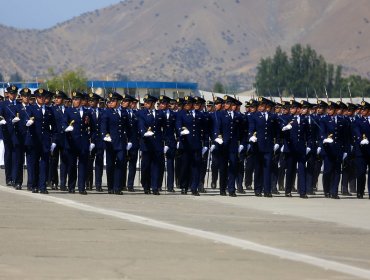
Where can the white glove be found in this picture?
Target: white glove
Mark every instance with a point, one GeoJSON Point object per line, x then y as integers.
{"type": "Point", "coordinates": [92, 146]}
{"type": "Point", "coordinates": [328, 140]}
{"type": "Point", "coordinates": [212, 148]}
{"type": "Point", "coordinates": [344, 156]}
{"type": "Point", "coordinates": [29, 122]}
{"type": "Point", "coordinates": [2, 122]}
{"type": "Point", "coordinates": [185, 132]}
{"type": "Point", "coordinates": [15, 120]}
{"type": "Point", "coordinates": [351, 148]}
{"type": "Point", "coordinates": [165, 149]}
{"type": "Point", "coordinates": [248, 147]}
{"type": "Point", "coordinates": [204, 150]}
{"type": "Point", "coordinates": [276, 147]}
{"type": "Point", "coordinates": [318, 150]}
{"type": "Point", "coordinates": [128, 146]}
{"type": "Point", "coordinates": [287, 127]}
{"type": "Point", "coordinates": [178, 145]}
{"type": "Point", "coordinates": [69, 128]}
{"type": "Point", "coordinates": [219, 141]}
{"type": "Point", "coordinates": [253, 139]}
{"type": "Point", "coordinates": [308, 150]}
{"type": "Point", "coordinates": [52, 147]}
{"type": "Point", "coordinates": [282, 149]}
{"type": "Point", "coordinates": [107, 138]}
{"type": "Point", "coordinates": [241, 147]}
{"type": "Point", "coordinates": [364, 142]}
{"type": "Point", "coordinates": [148, 134]}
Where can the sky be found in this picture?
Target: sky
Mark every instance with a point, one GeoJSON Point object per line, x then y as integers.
{"type": "Point", "coordinates": [41, 14]}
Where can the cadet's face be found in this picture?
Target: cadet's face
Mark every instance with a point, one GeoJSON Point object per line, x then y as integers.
{"type": "Point", "coordinates": [209, 108]}
{"type": "Point", "coordinates": [304, 111]}
{"type": "Point", "coordinates": [76, 102]}
{"type": "Point", "coordinates": [253, 109]}
{"type": "Point", "coordinates": [218, 106]}
{"type": "Point", "coordinates": [25, 99]}
{"type": "Point", "coordinates": [233, 107]}
{"type": "Point", "coordinates": [339, 112]}
{"type": "Point", "coordinates": [188, 106]}
{"type": "Point", "coordinates": [40, 100]}
{"type": "Point", "coordinates": [93, 103]}
{"type": "Point", "coordinates": [365, 112]}
{"type": "Point", "coordinates": [12, 96]}
{"type": "Point", "coordinates": [261, 108]}
{"type": "Point", "coordinates": [163, 106]}
{"type": "Point", "coordinates": [125, 104]}
{"type": "Point", "coordinates": [268, 108]}
{"type": "Point", "coordinates": [58, 101]}
{"type": "Point", "coordinates": [330, 111]}
{"type": "Point", "coordinates": [293, 110]}
{"type": "Point", "coordinates": [133, 105]}
{"type": "Point", "coordinates": [197, 106]}
{"type": "Point", "coordinates": [47, 100]}
{"type": "Point", "coordinates": [277, 110]}
{"type": "Point", "coordinates": [227, 106]}
{"type": "Point", "coordinates": [172, 106]}
{"type": "Point", "coordinates": [148, 105]}
{"type": "Point", "coordinates": [320, 110]}
{"type": "Point", "coordinates": [83, 102]}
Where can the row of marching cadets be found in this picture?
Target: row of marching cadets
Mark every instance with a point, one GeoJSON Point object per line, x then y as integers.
{"type": "Point", "coordinates": [272, 147]}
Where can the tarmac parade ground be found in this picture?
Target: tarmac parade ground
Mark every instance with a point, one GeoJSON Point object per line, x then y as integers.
{"type": "Point", "coordinates": [137, 236]}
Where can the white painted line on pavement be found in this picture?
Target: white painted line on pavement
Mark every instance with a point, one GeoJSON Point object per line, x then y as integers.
{"type": "Point", "coordinates": [215, 237]}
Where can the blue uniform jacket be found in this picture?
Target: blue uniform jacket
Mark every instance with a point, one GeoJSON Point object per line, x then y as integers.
{"type": "Point", "coordinates": [155, 124]}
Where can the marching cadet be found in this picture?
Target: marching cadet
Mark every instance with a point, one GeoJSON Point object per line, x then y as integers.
{"type": "Point", "coordinates": [39, 140]}
{"type": "Point", "coordinates": [170, 142]}
{"type": "Point", "coordinates": [96, 156]}
{"type": "Point", "coordinates": [189, 127]}
{"type": "Point", "coordinates": [349, 167]}
{"type": "Point", "coordinates": [262, 134]}
{"type": "Point", "coordinates": [79, 142]}
{"type": "Point", "coordinates": [251, 155]}
{"type": "Point", "coordinates": [115, 132]}
{"type": "Point", "coordinates": [227, 133]}
{"type": "Point", "coordinates": [334, 146]}
{"type": "Point", "coordinates": [215, 147]}
{"type": "Point", "coordinates": [178, 154]}
{"type": "Point", "coordinates": [9, 120]}
{"type": "Point", "coordinates": [320, 113]}
{"type": "Point", "coordinates": [275, 109]}
{"type": "Point", "coordinates": [58, 151]}
{"type": "Point", "coordinates": [295, 139]}
{"type": "Point", "coordinates": [134, 135]}
{"type": "Point", "coordinates": [362, 149]}
{"type": "Point", "coordinates": [25, 107]}
{"type": "Point", "coordinates": [285, 112]}
{"type": "Point", "coordinates": [151, 124]}
{"type": "Point", "coordinates": [199, 105]}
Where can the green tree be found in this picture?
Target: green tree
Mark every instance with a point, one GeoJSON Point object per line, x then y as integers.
{"type": "Point", "coordinates": [218, 87]}
{"type": "Point", "coordinates": [68, 81]}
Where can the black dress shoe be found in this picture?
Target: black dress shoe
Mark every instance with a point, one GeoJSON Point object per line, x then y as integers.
{"type": "Point", "coordinates": [241, 191]}
{"type": "Point", "coordinates": [213, 185]}
{"type": "Point", "coordinates": [171, 190]}
{"type": "Point", "coordinates": [18, 187]}
{"type": "Point", "coordinates": [288, 195]}
{"type": "Point", "coordinates": [267, 194]}
{"type": "Point", "coordinates": [131, 189]}
{"type": "Point", "coordinates": [63, 188]}
{"type": "Point", "coordinates": [303, 196]}
{"type": "Point", "coordinates": [9, 183]}
{"type": "Point", "coordinates": [248, 188]}
{"type": "Point", "coordinates": [232, 194]}
{"type": "Point", "coordinates": [71, 191]}
{"type": "Point", "coordinates": [335, 196]}
{"type": "Point", "coordinates": [54, 186]}
{"type": "Point", "coordinates": [118, 193]}
{"type": "Point", "coordinates": [99, 189]}
{"type": "Point", "coordinates": [327, 195]}
{"type": "Point", "coordinates": [183, 191]}
{"type": "Point", "coordinates": [275, 192]}
{"type": "Point", "coordinates": [202, 190]}
{"type": "Point", "coordinates": [360, 196]}
{"type": "Point", "coordinates": [195, 193]}
{"type": "Point", "coordinates": [258, 194]}
{"type": "Point", "coordinates": [223, 193]}
{"type": "Point", "coordinates": [346, 194]}
{"type": "Point", "coordinates": [156, 193]}
{"type": "Point", "coordinates": [311, 193]}
{"type": "Point", "coordinates": [35, 191]}
{"type": "Point", "coordinates": [29, 188]}
{"type": "Point", "coordinates": [44, 192]}
{"type": "Point", "coordinates": [82, 192]}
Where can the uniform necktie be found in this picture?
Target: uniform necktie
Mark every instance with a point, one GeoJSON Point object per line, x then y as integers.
{"type": "Point", "coordinates": [193, 113]}
{"type": "Point", "coordinates": [81, 112]}
{"type": "Point", "coordinates": [43, 109]}
{"type": "Point", "coordinates": [153, 113]}
{"type": "Point", "coordinates": [298, 119]}
{"type": "Point", "coordinates": [266, 116]}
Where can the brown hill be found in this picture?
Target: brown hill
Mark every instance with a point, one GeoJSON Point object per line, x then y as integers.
{"type": "Point", "coordinates": [197, 40]}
